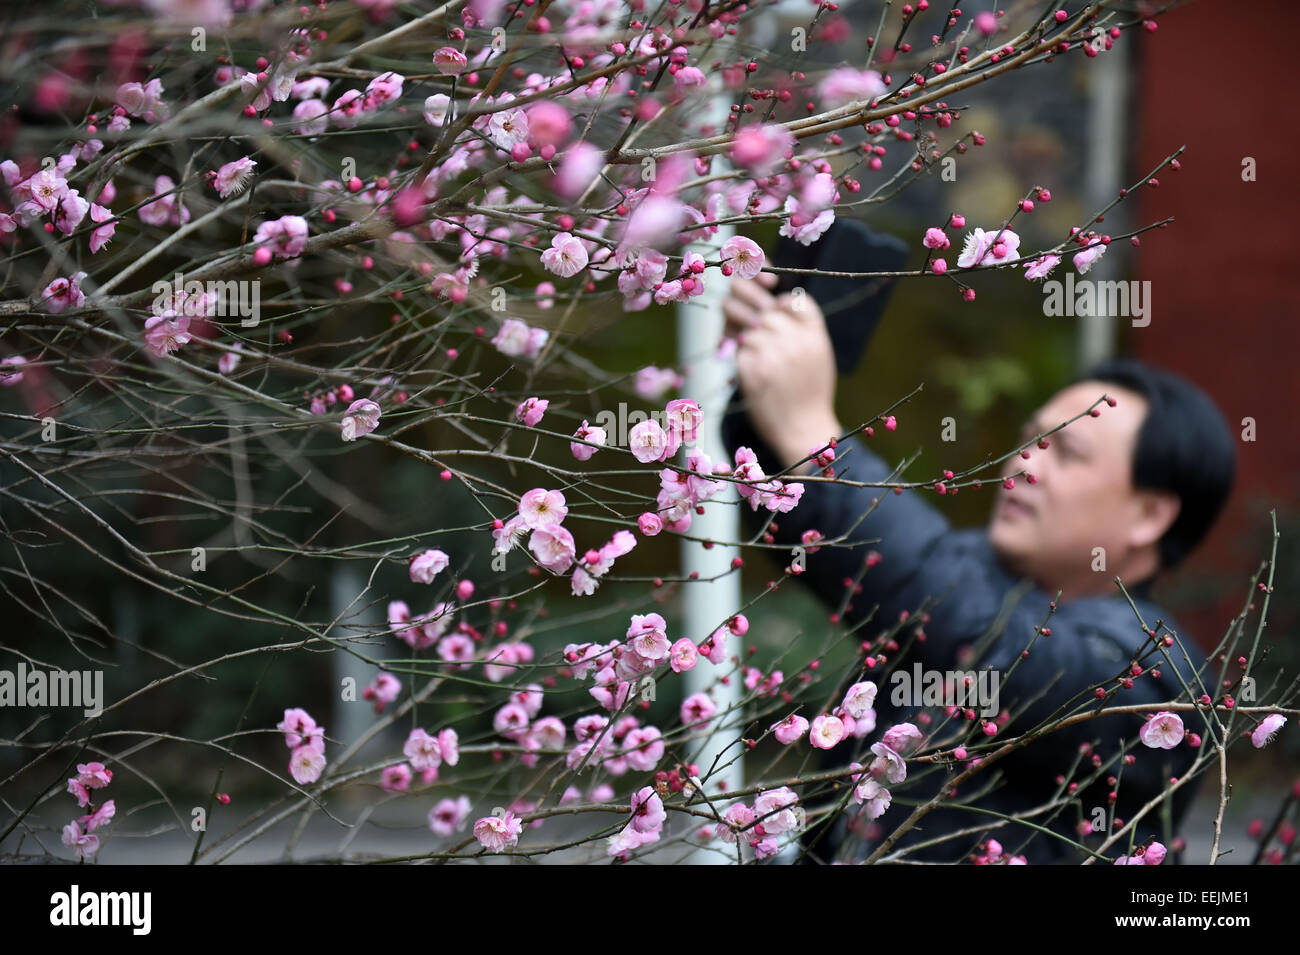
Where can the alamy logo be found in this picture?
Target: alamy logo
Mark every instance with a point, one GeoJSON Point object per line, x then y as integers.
{"type": "Point", "coordinates": [967, 688]}
{"type": "Point", "coordinates": [36, 687]}
{"type": "Point", "coordinates": [103, 908]}
{"type": "Point", "coordinates": [232, 298]}
{"type": "Point", "coordinates": [1087, 299]}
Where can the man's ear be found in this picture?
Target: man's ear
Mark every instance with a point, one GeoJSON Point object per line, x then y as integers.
{"type": "Point", "coordinates": [1156, 513]}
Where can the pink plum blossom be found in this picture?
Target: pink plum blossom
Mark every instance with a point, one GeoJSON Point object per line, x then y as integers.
{"type": "Point", "coordinates": [1267, 730]}
{"type": "Point", "coordinates": [935, 239]}
{"type": "Point", "coordinates": [1042, 266]}
{"type": "Point", "coordinates": [826, 731]}
{"type": "Point", "coordinates": [902, 738]}
{"type": "Point", "coordinates": [362, 417]}
{"type": "Point", "coordinates": [94, 775]}
{"type": "Point", "coordinates": [531, 410]}
{"type": "Point", "coordinates": [306, 763]}
{"type": "Point", "coordinates": [873, 796]}
{"type": "Point", "coordinates": [650, 524]}
{"type": "Point", "coordinates": [100, 817]}
{"type": "Point", "coordinates": [791, 729]}
{"type": "Point", "coordinates": [566, 257]}
{"type": "Point", "coordinates": [549, 123]}
{"type": "Point", "coordinates": [683, 655]}
{"type": "Point", "coordinates": [759, 149]}
{"type": "Point", "coordinates": [450, 62]}
{"type": "Point", "coordinates": [286, 236]}
{"type": "Point", "coordinates": [1163, 731]}
{"type": "Point", "coordinates": [383, 689]}
{"type": "Point", "coordinates": [64, 293]}
{"type": "Point", "coordinates": [517, 340]}
{"type": "Point", "coordinates": [395, 779]}
{"type": "Point", "coordinates": [427, 565]}
{"type": "Point", "coordinates": [10, 378]}
{"type": "Point", "coordinates": [738, 818]}
{"type": "Point", "coordinates": [649, 442]}
{"type": "Point", "coordinates": [887, 764]}
{"type": "Point", "coordinates": [508, 128]}
{"type": "Point", "coordinates": [587, 432]}
{"type": "Point", "coordinates": [166, 210]}
{"type": "Point", "coordinates": [540, 507]}
{"type": "Point", "coordinates": [982, 249]}
{"type": "Point", "coordinates": [648, 812]}
{"type": "Point", "coordinates": [312, 118]}
{"type": "Point", "coordinates": [165, 335]}
{"type": "Point", "coordinates": [83, 843]}
{"type": "Point", "coordinates": [101, 236]}
{"type": "Point", "coordinates": [848, 85]}
{"type": "Point", "coordinates": [773, 810]}
{"type": "Point", "coordinates": [644, 748]}
{"type": "Point", "coordinates": [422, 750]}
{"type": "Point", "coordinates": [448, 815]}
{"type": "Point", "coordinates": [698, 708]}
{"type": "Point", "coordinates": [580, 166]}
{"type": "Point", "coordinates": [553, 546]}
{"type": "Point", "coordinates": [498, 833]}
{"type": "Point", "coordinates": [449, 746]}
{"type": "Point", "coordinates": [1086, 259]}
{"type": "Point", "coordinates": [300, 729]}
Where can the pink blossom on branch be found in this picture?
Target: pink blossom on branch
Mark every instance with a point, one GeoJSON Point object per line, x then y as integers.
{"type": "Point", "coordinates": [1267, 729]}
{"type": "Point", "coordinates": [362, 417]}
{"type": "Point", "coordinates": [286, 237]}
{"type": "Point", "coordinates": [165, 335]}
{"type": "Point", "coordinates": [566, 257]}
{"type": "Point", "coordinates": [427, 565]}
{"type": "Point", "coordinates": [1162, 731]}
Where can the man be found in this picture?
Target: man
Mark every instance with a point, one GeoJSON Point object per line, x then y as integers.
{"type": "Point", "coordinates": [1125, 491]}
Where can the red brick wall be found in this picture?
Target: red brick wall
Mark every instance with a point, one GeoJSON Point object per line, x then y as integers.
{"type": "Point", "coordinates": [1219, 78]}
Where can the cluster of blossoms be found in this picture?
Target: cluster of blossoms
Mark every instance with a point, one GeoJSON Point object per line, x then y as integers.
{"type": "Point", "coordinates": [645, 826]}
{"type": "Point", "coordinates": [516, 340]}
{"type": "Point", "coordinates": [774, 495]}
{"type": "Point", "coordinates": [618, 667]}
{"type": "Point", "coordinates": [541, 513]}
{"type": "Point", "coordinates": [79, 834]}
{"type": "Point", "coordinates": [306, 742]}
{"type": "Point", "coordinates": [424, 630]}
{"type": "Point", "coordinates": [383, 689]}
{"type": "Point", "coordinates": [322, 401]}
{"type": "Point", "coordinates": [1164, 730]}
{"type": "Point", "coordinates": [424, 754]}
{"type": "Point", "coordinates": [775, 811]}
{"type": "Point", "coordinates": [1152, 854]}
{"type": "Point", "coordinates": [856, 718]}
{"type": "Point", "coordinates": [992, 854]}
{"type": "Point", "coordinates": [43, 195]}
{"type": "Point", "coordinates": [998, 246]}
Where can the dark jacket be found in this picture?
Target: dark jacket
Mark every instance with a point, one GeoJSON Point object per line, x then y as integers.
{"type": "Point", "coordinates": [974, 600]}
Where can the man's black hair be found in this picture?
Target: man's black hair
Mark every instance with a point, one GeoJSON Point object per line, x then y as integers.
{"type": "Point", "coordinates": [1184, 446]}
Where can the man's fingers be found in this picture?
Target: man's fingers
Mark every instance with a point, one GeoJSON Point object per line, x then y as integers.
{"type": "Point", "coordinates": [738, 315]}
{"type": "Point", "coordinates": [751, 293]}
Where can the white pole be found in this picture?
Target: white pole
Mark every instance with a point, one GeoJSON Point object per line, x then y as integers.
{"type": "Point", "coordinates": [706, 603]}
{"type": "Point", "coordinates": [1108, 109]}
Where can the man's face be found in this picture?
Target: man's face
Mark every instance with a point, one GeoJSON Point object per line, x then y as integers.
{"type": "Point", "coordinates": [1084, 496]}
